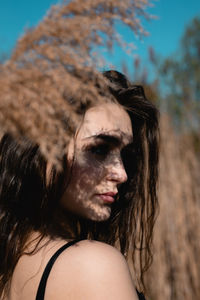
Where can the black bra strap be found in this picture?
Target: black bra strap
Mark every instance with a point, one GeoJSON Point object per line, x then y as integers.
{"type": "Point", "coordinates": [45, 275]}
{"type": "Point", "coordinates": [140, 296]}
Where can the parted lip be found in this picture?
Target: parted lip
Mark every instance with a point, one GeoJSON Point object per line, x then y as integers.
{"type": "Point", "coordinates": [107, 197]}
{"type": "Point", "coordinates": [111, 194]}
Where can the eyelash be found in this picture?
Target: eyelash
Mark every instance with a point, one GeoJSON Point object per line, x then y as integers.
{"type": "Point", "coordinates": [101, 150]}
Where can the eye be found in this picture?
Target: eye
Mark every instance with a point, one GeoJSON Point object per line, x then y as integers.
{"type": "Point", "coordinates": [100, 150]}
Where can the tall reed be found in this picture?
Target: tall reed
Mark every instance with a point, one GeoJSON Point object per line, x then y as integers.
{"type": "Point", "coordinates": [175, 271]}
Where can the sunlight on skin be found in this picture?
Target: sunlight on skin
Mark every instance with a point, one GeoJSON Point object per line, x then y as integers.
{"type": "Point", "coordinates": [97, 165]}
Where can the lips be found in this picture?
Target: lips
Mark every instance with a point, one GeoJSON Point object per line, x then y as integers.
{"type": "Point", "coordinates": [108, 197]}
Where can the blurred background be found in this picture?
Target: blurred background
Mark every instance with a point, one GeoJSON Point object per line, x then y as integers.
{"type": "Point", "coordinates": [167, 62]}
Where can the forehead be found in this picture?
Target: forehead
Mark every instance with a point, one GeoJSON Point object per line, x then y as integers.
{"type": "Point", "coordinates": [109, 117]}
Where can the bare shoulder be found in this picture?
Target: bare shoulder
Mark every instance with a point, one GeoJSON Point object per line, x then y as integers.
{"type": "Point", "coordinates": [91, 270]}
{"type": "Point", "coordinates": [94, 248]}
{"type": "Point", "coordinates": [92, 255]}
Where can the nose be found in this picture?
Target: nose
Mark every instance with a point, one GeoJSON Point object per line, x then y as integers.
{"type": "Point", "coordinates": [117, 172]}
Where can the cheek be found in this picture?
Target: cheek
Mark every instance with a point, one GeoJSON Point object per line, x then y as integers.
{"type": "Point", "coordinates": [87, 178]}
{"type": "Point", "coordinates": [86, 175]}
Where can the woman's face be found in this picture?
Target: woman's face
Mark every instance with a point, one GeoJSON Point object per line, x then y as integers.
{"type": "Point", "coordinates": [97, 169]}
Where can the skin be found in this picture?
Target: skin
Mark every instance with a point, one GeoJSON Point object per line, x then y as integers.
{"type": "Point", "coordinates": [88, 270]}
{"type": "Point", "coordinates": [97, 165]}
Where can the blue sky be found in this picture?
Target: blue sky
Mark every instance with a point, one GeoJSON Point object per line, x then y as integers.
{"type": "Point", "coordinates": [165, 32]}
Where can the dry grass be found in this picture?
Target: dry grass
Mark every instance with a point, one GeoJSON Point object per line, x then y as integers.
{"type": "Point", "coordinates": [55, 63]}
{"type": "Point", "coordinates": [175, 271]}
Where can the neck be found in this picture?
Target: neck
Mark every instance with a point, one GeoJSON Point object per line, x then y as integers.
{"type": "Point", "coordinates": [68, 226]}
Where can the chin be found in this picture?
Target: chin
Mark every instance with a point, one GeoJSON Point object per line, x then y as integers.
{"type": "Point", "coordinates": [100, 214]}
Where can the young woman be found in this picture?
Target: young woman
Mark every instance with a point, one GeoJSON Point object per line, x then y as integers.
{"type": "Point", "coordinates": [59, 232]}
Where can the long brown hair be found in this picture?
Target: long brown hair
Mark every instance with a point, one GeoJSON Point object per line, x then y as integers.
{"type": "Point", "coordinates": [28, 204]}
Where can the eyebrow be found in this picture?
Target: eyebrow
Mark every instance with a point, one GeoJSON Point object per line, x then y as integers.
{"type": "Point", "coordinates": [109, 138]}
